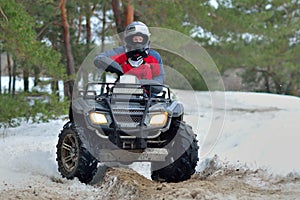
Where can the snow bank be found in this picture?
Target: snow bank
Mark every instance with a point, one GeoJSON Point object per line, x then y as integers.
{"type": "Point", "coordinates": [258, 130]}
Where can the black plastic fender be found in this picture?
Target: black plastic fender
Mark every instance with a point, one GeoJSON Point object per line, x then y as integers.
{"type": "Point", "coordinates": [176, 109]}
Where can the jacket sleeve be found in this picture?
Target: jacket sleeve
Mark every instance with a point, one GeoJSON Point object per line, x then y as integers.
{"type": "Point", "coordinates": [147, 72]}
{"type": "Point", "coordinates": [108, 54]}
{"type": "Point", "coordinates": [161, 75]}
{"type": "Point", "coordinates": [155, 67]}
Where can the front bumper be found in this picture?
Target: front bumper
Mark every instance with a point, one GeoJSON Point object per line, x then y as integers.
{"type": "Point", "coordinates": [119, 155]}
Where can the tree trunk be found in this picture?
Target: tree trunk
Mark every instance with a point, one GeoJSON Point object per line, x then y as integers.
{"type": "Point", "coordinates": [89, 13]}
{"type": "Point", "coordinates": [267, 82]}
{"type": "Point", "coordinates": [88, 30]}
{"type": "Point", "coordinates": [295, 90]}
{"type": "Point", "coordinates": [54, 88]}
{"type": "Point", "coordinates": [68, 50]}
{"type": "Point", "coordinates": [26, 80]}
{"type": "Point", "coordinates": [14, 78]}
{"type": "Point", "coordinates": [79, 28]}
{"type": "Point", "coordinates": [9, 72]}
{"type": "Point", "coordinates": [118, 15]}
{"type": "Point", "coordinates": [125, 18]}
{"type": "Point", "coordinates": [36, 75]}
{"type": "Point", "coordinates": [129, 12]}
{"type": "Point", "coordinates": [103, 76]}
{"type": "Point", "coordinates": [103, 26]}
{"type": "Point", "coordinates": [0, 72]}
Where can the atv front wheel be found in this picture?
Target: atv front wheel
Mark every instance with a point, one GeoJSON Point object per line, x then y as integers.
{"type": "Point", "coordinates": [72, 158]}
{"type": "Point", "coordinates": [184, 154]}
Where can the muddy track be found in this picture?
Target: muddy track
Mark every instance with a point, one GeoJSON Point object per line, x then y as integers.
{"type": "Point", "coordinates": [120, 183]}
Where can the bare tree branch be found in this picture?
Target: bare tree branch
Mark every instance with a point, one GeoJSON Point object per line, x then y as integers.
{"type": "Point", "coordinates": [3, 14]}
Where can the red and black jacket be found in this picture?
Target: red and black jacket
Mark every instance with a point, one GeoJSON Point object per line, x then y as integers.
{"type": "Point", "coordinates": [152, 69]}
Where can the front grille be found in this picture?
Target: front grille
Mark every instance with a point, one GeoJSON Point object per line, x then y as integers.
{"type": "Point", "coordinates": [128, 118]}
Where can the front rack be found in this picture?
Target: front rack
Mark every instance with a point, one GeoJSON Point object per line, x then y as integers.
{"type": "Point", "coordinates": [127, 91]}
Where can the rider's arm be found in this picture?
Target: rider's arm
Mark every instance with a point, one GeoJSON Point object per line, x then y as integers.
{"type": "Point", "coordinates": [112, 54]}
{"type": "Point", "coordinates": [161, 76]}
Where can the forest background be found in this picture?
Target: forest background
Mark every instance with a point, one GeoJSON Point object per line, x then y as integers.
{"type": "Point", "coordinates": [256, 41]}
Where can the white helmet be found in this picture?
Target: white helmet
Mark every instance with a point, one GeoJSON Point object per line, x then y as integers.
{"type": "Point", "coordinates": [137, 28]}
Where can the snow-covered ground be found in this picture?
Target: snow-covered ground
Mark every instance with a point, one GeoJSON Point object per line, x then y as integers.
{"type": "Point", "coordinates": [20, 85]}
{"type": "Point", "coordinates": [258, 131]}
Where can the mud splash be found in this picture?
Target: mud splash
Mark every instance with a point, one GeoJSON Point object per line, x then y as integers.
{"type": "Point", "coordinates": [214, 180]}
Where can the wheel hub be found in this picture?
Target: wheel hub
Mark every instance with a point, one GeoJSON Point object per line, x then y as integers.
{"type": "Point", "coordinates": [69, 152]}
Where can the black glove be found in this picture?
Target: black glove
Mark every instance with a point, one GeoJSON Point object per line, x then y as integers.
{"type": "Point", "coordinates": [107, 64]}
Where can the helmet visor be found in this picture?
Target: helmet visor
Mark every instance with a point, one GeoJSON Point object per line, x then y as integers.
{"type": "Point", "coordinates": [139, 43]}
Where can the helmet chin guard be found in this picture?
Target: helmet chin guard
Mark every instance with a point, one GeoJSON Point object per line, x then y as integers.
{"type": "Point", "coordinates": [136, 57]}
{"type": "Point", "coordinates": [135, 63]}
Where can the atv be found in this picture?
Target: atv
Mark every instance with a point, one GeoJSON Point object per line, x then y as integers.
{"type": "Point", "coordinates": [125, 121]}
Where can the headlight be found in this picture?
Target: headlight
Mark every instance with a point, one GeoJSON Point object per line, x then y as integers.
{"type": "Point", "coordinates": [159, 119]}
{"type": "Point", "coordinates": [98, 118]}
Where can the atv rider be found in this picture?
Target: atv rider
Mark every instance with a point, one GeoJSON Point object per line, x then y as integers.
{"type": "Point", "coordinates": [136, 57]}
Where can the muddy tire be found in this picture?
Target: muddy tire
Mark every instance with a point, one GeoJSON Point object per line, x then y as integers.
{"type": "Point", "coordinates": [73, 159]}
{"type": "Point", "coordinates": [184, 150]}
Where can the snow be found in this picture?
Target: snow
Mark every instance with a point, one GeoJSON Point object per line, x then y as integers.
{"type": "Point", "coordinates": [28, 150]}
{"type": "Point", "coordinates": [258, 131]}
{"type": "Point", "coordinates": [20, 85]}
{"type": "Point", "coordinates": [261, 130]}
